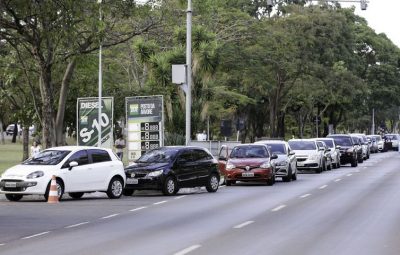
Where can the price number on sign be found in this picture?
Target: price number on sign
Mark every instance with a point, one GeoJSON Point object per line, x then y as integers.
{"type": "Point", "coordinates": [149, 126]}
{"type": "Point", "coordinates": [151, 145]}
{"type": "Point", "coordinates": [150, 136]}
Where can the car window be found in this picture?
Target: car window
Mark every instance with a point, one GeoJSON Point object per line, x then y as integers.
{"type": "Point", "coordinates": [185, 156]}
{"type": "Point", "coordinates": [343, 141]}
{"type": "Point", "coordinates": [47, 157]}
{"type": "Point", "coordinates": [80, 156]}
{"type": "Point", "coordinates": [277, 148]}
{"type": "Point", "coordinates": [249, 152]}
{"type": "Point", "coordinates": [302, 145]}
{"type": "Point", "coordinates": [99, 155]}
{"type": "Point", "coordinates": [160, 155]}
{"type": "Point", "coordinates": [200, 155]}
{"type": "Point", "coordinates": [329, 143]}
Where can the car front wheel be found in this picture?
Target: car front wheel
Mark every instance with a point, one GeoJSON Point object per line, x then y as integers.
{"type": "Point", "coordinates": [14, 197]}
{"type": "Point", "coordinates": [213, 183]}
{"type": "Point", "coordinates": [169, 186]}
{"type": "Point", "coordinates": [115, 188]}
{"type": "Point", "coordinates": [76, 195]}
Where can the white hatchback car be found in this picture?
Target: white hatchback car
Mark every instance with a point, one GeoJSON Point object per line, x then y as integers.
{"type": "Point", "coordinates": [78, 170]}
{"type": "Point", "coordinates": [309, 155]}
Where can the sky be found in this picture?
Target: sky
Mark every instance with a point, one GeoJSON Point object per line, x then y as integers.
{"type": "Point", "coordinates": [383, 16]}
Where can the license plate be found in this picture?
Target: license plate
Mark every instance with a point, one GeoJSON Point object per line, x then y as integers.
{"type": "Point", "coordinates": [247, 174]}
{"type": "Point", "coordinates": [11, 185]}
{"type": "Point", "coordinates": [132, 181]}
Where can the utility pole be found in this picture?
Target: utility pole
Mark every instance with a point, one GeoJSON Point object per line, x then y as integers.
{"type": "Point", "coordinates": [188, 70]}
{"type": "Point", "coordinates": [373, 122]}
{"type": "Point", "coordinates": [100, 81]}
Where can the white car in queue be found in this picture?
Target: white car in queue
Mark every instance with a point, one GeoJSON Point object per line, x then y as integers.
{"type": "Point", "coordinates": [309, 155]}
{"type": "Point", "coordinates": [78, 170]}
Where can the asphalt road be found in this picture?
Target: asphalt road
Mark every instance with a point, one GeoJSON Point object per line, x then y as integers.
{"type": "Point", "coordinates": [343, 211]}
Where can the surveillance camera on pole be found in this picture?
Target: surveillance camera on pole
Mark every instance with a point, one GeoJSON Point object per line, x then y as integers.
{"type": "Point", "coordinates": [364, 5]}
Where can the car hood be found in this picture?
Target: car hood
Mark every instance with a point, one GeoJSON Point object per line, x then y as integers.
{"type": "Point", "coordinates": [147, 167]}
{"type": "Point", "coordinates": [20, 171]}
{"type": "Point", "coordinates": [248, 161]}
{"type": "Point", "coordinates": [300, 153]}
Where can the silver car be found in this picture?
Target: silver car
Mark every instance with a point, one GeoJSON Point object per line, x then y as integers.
{"type": "Point", "coordinates": [286, 163]}
{"type": "Point", "coordinates": [334, 150]}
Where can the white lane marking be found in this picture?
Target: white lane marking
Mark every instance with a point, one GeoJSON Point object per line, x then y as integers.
{"type": "Point", "coordinates": [2, 244]}
{"type": "Point", "coordinates": [32, 236]}
{"type": "Point", "coordinates": [349, 174]}
{"type": "Point", "coordinates": [161, 202]}
{"type": "Point", "coordinates": [338, 180]}
{"type": "Point", "coordinates": [137, 209]}
{"type": "Point", "coordinates": [305, 195]}
{"type": "Point", "coordinates": [76, 225]}
{"type": "Point", "coordinates": [323, 186]}
{"type": "Point", "coordinates": [244, 224]}
{"type": "Point", "coordinates": [180, 197]}
{"type": "Point", "coordinates": [188, 249]}
{"type": "Point", "coordinates": [278, 208]}
{"type": "Point", "coordinates": [110, 216]}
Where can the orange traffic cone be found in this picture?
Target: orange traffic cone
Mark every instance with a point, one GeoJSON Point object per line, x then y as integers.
{"type": "Point", "coordinates": [53, 193]}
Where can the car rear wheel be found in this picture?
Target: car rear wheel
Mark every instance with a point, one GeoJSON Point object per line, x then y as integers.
{"type": "Point", "coordinates": [115, 188]}
{"type": "Point", "coordinates": [170, 186]}
{"type": "Point", "coordinates": [212, 183]}
{"type": "Point", "coordinates": [128, 192]}
{"type": "Point", "coordinates": [76, 195]}
{"type": "Point", "coordinates": [14, 197]}
{"type": "Point", "coordinates": [354, 162]}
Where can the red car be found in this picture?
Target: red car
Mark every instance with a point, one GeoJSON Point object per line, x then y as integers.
{"type": "Point", "coordinates": [247, 162]}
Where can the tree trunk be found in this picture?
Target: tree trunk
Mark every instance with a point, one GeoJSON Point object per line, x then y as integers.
{"type": "Point", "coordinates": [15, 132]}
{"type": "Point", "coordinates": [25, 142]}
{"type": "Point", "coordinates": [62, 101]}
{"type": "Point", "coordinates": [47, 108]}
{"type": "Point", "coordinates": [2, 132]}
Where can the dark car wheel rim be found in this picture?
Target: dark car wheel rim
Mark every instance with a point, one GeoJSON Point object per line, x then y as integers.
{"type": "Point", "coordinates": [214, 182]}
{"type": "Point", "coordinates": [59, 190]}
{"type": "Point", "coordinates": [116, 188]}
{"type": "Point", "coordinates": [170, 186]}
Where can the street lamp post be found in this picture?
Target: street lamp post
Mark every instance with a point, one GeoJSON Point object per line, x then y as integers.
{"type": "Point", "coordinates": [189, 69]}
{"type": "Point", "coordinates": [100, 81]}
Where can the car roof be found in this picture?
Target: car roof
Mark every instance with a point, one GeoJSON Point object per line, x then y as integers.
{"type": "Point", "coordinates": [270, 141]}
{"type": "Point", "coordinates": [75, 148]}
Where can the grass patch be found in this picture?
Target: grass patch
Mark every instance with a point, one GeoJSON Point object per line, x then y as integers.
{"type": "Point", "coordinates": [10, 155]}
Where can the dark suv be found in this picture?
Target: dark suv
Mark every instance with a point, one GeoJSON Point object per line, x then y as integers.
{"type": "Point", "coordinates": [348, 149]}
{"type": "Point", "coordinates": [173, 167]}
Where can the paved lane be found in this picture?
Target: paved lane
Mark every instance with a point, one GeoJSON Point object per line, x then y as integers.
{"type": "Point", "coordinates": [339, 211]}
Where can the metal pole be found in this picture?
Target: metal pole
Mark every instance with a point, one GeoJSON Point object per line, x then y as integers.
{"type": "Point", "coordinates": [100, 85]}
{"type": "Point", "coordinates": [373, 122]}
{"type": "Point", "coordinates": [189, 69]}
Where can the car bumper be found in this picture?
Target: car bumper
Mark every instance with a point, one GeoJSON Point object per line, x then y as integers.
{"type": "Point", "coordinates": [23, 187]}
{"type": "Point", "coordinates": [153, 183]}
{"type": "Point", "coordinates": [308, 164]}
{"type": "Point", "coordinates": [281, 171]}
{"type": "Point", "coordinates": [253, 175]}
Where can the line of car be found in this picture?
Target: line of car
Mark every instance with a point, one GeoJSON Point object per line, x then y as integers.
{"type": "Point", "coordinates": [80, 170]}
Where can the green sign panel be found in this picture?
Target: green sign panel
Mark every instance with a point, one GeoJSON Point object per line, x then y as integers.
{"type": "Point", "coordinates": [88, 121]}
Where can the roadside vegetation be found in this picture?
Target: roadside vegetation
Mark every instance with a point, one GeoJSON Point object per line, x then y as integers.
{"type": "Point", "coordinates": [275, 69]}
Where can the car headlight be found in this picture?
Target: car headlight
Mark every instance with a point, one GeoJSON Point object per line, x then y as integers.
{"type": "Point", "coordinates": [282, 163]}
{"type": "Point", "coordinates": [35, 174]}
{"type": "Point", "coordinates": [230, 166]}
{"type": "Point", "coordinates": [155, 173]}
{"type": "Point", "coordinates": [313, 157]}
{"type": "Point", "coordinates": [265, 165]}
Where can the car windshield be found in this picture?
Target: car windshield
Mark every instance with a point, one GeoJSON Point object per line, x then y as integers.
{"type": "Point", "coordinates": [277, 148]}
{"type": "Point", "coordinates": [250, 151]}
{"type": "Point", "coordinates": [329, 143]}
{"type": "Point", "coordinates": [391, 137]}
{"type": "Point", "coordinates": [378, 138]}
{"type": "Point", "coordinates": [161, 155]}
{"type": "Point", "coordinates": [302, 145]}
{"type": "Point", "coordinates": [343, 141]}
{"type": "Point", "coordinates": [47, 157]}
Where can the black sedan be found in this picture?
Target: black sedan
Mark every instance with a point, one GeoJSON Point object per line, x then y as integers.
{"type": "Point", "coordinates": [173, 167]}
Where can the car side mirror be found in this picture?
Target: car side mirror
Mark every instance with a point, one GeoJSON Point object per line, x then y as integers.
{"type": "Point", "coordinates": [321, 149]}
{"type": "Point", "coordinates": [291, 153]}
{"type": "Point", "coordinates": [329, 149]}
{"type": "Point", "coordinates": [338, 147]}
{"type": "Point", "coordinates": [274, 156]}
{"type": "Point", "coordinates": [72, 164]}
